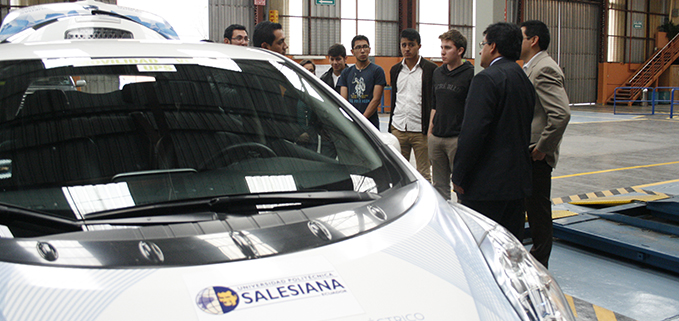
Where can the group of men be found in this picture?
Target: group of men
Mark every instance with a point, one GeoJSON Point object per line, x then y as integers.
{"type": "Point", "coordinates": [267, 35]}
{"type": "Point", "coordinates": [361, 84]}
{"type": "Point", "coordinates": [494, 135]}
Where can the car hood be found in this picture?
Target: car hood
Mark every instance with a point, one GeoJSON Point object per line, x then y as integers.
{"type": "Point", "coordinates": [423, 266]}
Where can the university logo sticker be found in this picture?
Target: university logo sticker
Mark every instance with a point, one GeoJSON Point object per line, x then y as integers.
{"type": "Point", "coordinates": [217, 300]}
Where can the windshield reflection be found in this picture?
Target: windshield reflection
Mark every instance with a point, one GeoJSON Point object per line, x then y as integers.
{"type": "Point", "coordinates": [88, 135]}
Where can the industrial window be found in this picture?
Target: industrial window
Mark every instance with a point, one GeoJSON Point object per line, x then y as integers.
{"type": "Point", "coordinates": [632, 25]}
{"type": "Point", "coordinates": [435, 17]}
{"type": "Point", "coordinates": [312, 26]}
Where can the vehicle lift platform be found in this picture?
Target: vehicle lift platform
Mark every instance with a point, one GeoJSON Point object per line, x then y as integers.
{"type": "Point", "coordinates": [641, 228]}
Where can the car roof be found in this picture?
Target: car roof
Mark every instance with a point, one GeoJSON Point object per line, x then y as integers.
{"type": "Point", "coordinates": [40, 16]}
{"type": "Point", "coordinates": [122, 48]}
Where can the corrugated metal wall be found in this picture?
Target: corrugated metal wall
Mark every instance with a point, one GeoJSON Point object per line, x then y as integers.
{"type": "Point", "coordinates": [513, 11]}
{"type": "Point", "coordinates": [324, 28]}
{"type": "Point", "coordinates": [223, 13]}
{"type": "Point", "coordinates": [386, 28]}
{"type": "Point", "coordinates": [574, 28]}
{"type": "Point", "coordinates": [4, 8]}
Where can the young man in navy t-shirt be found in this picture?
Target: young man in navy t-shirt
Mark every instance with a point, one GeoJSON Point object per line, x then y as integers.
{"type": "Point", "coordinates": [362, 84]}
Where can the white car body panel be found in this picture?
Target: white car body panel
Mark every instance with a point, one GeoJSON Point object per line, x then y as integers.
{"type": "Point", "coordinates": [383, 275]}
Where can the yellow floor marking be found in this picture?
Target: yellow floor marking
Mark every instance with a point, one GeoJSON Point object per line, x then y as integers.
{"type": "Point", "coordinates": [601, 121]}
{"type": "Point", "coordinates": [562, 213]}
{"type": "Point", "coordinates": [603, 314]}
{"type": "Point", "coordinates": [617, 200]}
{"type": "Point", "coordinates": [614, 170]}
{"type": "Point", "coordinates": [572, 304]}
{"type": "Point", "coordinates": [591, 195]}
{"type": "Point", "coordinates": [638, 190]}
{"type": "Point", "coordinates": [608, 193]}
{"type": "Point", "coordinates": [659, 183]}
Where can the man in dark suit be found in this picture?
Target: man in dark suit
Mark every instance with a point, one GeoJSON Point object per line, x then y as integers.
{"type": "Point", "coordinates": [550, 118]}
{"type": "Point", "coordinates": [411, 101]}
{"type": "Point", "coordinates": [492, 167]}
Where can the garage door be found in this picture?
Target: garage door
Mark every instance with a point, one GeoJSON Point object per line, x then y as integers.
{"type": "Point", "coordinates": [574, 27]}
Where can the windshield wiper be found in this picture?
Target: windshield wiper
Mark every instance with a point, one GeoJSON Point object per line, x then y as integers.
{"type": "Point", "coordinates": [173, 208]}
{"type": "Point", "coordinates": [206, 209]}
{"type": "Point", "coordinates": [253, 203]}
{"type": "Point", "coordinates": [9, 212]}
{"type": "Point", "coordinates": [157, 219]}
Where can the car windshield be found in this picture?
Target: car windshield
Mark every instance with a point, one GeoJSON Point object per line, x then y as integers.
{"type": "Point", "coordinates": [146, 131]}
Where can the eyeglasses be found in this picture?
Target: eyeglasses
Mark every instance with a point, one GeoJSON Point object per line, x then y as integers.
{"type": "Point", "coordinates": [481, 44]}
{"type": "Point", "coordinates": [362, 47]}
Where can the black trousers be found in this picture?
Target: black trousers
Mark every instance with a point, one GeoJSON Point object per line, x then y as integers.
{"type": "Point", "coordinates": [539, 211]}
{"type": "Point", "coordinates": [509, 214]}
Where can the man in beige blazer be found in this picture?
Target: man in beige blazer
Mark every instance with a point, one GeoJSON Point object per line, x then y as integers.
{"type": "Point", "coordinates": [550, 118]}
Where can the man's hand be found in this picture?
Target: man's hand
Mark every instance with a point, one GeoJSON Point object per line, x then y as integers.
{"type": "Point", "coordinates": [537, 155]}
{"type": "Point", "coordinates": [458, 189]}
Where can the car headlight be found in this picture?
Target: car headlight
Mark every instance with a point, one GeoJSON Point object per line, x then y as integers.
{"type": "Point", "coordinates": [528, 286]}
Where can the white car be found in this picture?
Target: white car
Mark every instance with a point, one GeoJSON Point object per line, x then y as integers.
{"type": "Point", "coordinates": [82, 20]}
{"type": "Point", "coordinates": [199, 181]}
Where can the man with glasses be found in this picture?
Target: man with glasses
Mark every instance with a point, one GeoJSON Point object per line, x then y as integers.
{"type": "Point", "coordinates": [362, 84]}
{"type": "Point", "coordinates": [236, 34]}
{"type": "Point", "coordinates": [492, 167]}
{"type": "Point", "coordinates": [550, 118]}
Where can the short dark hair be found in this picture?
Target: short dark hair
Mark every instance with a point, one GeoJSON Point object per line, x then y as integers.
{"type": "Point", "coordinates": [264, 33]}
{"type": "Point", "coordinates": [459, 40]}
{"type": "Point", "coordinates": [337, 50]}
{"type": "Point", "coordinates": [228, 32]}
{"type": "Point", "coordinates": [307, 61]}
{"type": "Point", "coordinates": [357, 38]}
{"type": "Point", "coordinates": [411, 34]}
{"type": "Point", "coordinates": [507, 38]}
{"type": "Point", "coordinates": [538, 28]}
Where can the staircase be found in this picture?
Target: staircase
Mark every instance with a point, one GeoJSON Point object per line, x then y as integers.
{"type": "Point", "coordinates": [649, 73]}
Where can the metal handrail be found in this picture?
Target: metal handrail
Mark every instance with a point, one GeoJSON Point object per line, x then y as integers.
{"type": "Point", "coordinates": [672, 102]}
{"type": "Point", "coordinates": [670, 44]}
{"type": "Point", "coordinates": [652, 66]}
{"type": "Point", "coordinates": [652, 91]}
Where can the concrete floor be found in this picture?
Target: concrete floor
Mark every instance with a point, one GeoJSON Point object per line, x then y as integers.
{"type": "Point", "coordinates": [596, 142]}
{"type": "Point", "coordinates": [604, 151]}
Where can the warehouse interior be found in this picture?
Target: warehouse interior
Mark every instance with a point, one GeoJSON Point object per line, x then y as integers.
{"type": "Point", "coordinates": [601, 45]}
